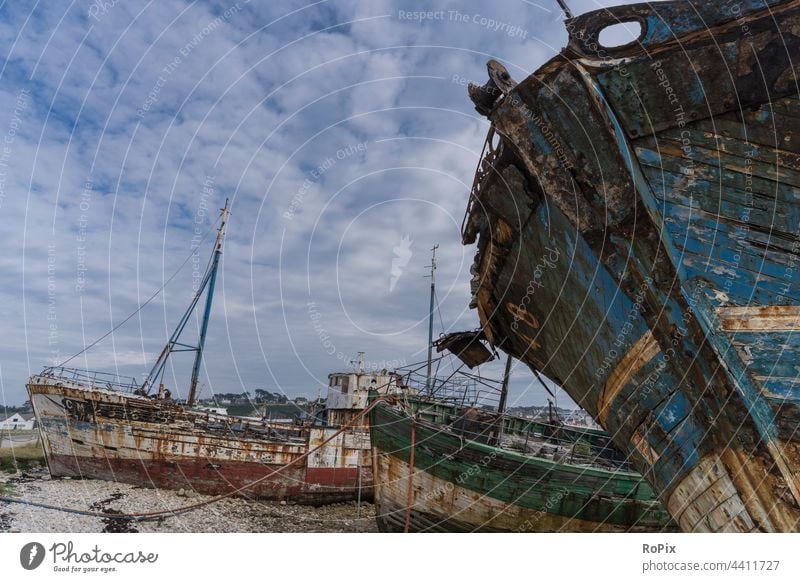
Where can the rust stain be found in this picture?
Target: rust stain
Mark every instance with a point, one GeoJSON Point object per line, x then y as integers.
{"type": "Point", "coordinates": [644, 350]}
{"type": "Point", "coordinates": [157, 443]}
{"type": "Point", "coordinates": [639, 440]}
{"type": "Point", "coordinates": [522, 314]}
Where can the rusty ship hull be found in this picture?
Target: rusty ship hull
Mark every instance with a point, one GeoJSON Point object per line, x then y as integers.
{"type": "Point", "coordinates": [91, 432]}
{"type": "Point", "coordinates": [458, 480]}
{"type": "Point", "coordinates": [637, 214]}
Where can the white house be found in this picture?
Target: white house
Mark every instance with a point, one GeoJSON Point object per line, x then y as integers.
{"type": "Point", "coordinates": [213, 410]}
{"type": "Point", "coordinates": [25, 421]}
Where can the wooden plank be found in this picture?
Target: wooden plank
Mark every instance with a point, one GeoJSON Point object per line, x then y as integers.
{"type": "Point", "coordinates": [717, 179]}
{"type": "Point", "coordinates": [725, 202]}
{"type": "Point", "coordinates": [735, 139]}
{"type": "Point", "coordinates": [643, 350]}
{"type": "Point", "coordinates": [760, 318]}
{"type": "Point", "coordinates": [700, 491]}
{"type": "Point", "coordinates": [685, 159]}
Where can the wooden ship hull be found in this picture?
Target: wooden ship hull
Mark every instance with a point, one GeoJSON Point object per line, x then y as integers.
{"type": "Point", "coordinates": [456, 480]}
{"type": "Point", "coordinates": [91, 432]}
{"type": "Point", "coordinates": [637, 215]}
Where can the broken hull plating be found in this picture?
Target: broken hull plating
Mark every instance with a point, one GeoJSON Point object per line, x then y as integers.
{"type": "Point", "coordinates": [638, 244]}
{"type": "Point", "coordinates": [103, 434]}
{"type": "Point", "coordinates": [462, 486]}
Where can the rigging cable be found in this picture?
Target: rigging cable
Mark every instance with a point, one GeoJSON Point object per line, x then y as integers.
{"type": "Point", "coordinates": [142, 306]}
{"type": "Point", "coordinates": [441, 321]}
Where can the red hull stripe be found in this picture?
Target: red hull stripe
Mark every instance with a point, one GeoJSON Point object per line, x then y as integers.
{"type": "Point", "coordinates": [219, 478]}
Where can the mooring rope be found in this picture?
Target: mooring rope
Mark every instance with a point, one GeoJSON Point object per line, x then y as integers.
{"type": "Point", "coordinates": [152, 515]}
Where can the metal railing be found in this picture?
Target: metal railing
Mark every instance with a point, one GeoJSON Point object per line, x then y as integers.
{"type": "Point", "coordinates": [466, 392]}
{"type": "Point", "coordinates": [484, 169]}
{"type": "Point", "coordinates": [537, 438]}
{"type": "Point", "coordinates": [459, 388]}
{"type": "Point", "coordinates": [92, 379]}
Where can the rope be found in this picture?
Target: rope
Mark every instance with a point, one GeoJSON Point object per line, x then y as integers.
{"type": "Point", "coordinates": [174, 512]}
{"type": "Point", "coordinates": [410, 498]}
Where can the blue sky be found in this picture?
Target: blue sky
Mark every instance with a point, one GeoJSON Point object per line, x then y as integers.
{"type": "Point", "coordinates": [336, 128]}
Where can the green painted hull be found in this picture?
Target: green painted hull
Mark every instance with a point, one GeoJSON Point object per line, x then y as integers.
{"type": "Point", "coordinates": [458, 484]}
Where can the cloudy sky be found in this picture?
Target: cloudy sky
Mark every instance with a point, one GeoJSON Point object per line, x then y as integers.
{"type": "Point", "coordinates": [340, 130]}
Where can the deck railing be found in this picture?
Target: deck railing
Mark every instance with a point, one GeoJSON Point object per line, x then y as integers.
{"type": "Point", "coordinates": [566, 444]}
{"type": "Point", "coordinates": [92, 379]}
{"type": "Point", "coordinates": [483, 171]}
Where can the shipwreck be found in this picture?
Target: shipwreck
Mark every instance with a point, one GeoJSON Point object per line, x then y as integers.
{"type": "Point", "coordinates": [636, 215]}
{"type": "Point", "coordinates": [106, 426]}
{"type": "Point", "coordinates": [446, 461]}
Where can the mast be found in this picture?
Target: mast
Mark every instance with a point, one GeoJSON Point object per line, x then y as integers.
{"type": "Point", "coordinates": [430, 318]}
{"type": "Point", "coordinates": [501, 407]}
{"type": "Point", "coordinates": [358, 363]}
{"type": "Point", "coordinates": [173, 345]}
{"type": "Point", "coordinates": [207, 311]}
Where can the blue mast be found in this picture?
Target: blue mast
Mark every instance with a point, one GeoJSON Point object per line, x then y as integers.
{"type": "Point", "coordinates": [207, 312]}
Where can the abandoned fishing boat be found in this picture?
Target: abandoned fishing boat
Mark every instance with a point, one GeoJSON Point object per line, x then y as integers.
{"type": "Point", "coordinates": [94, 425]}
{"type": "Point", "coordinates": [442, 466]}
{"type": "Point", "coordinates": [104, 426]}
{"type": "Point", "coordinates": [636, 212]}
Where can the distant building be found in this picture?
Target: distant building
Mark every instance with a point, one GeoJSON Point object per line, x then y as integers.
{"type": "Point", "coordinates": [300, 400]}
{"type": "Point", "coordinates": [19, 421]}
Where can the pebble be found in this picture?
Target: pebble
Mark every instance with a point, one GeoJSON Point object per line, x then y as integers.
{"type": "Point", "coordinates": [227, 515]}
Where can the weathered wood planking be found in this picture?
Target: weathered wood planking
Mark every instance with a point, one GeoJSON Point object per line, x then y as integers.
{"type": "Point", "coordinates": [463, 485]}
{"type": "Point", "coordinates": [670, 185]}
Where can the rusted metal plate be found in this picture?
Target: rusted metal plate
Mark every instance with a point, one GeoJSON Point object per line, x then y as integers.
{"type": "Point", "coordinates": [467, 346]}
{"type": "Point", "coordinates": [109, 435]}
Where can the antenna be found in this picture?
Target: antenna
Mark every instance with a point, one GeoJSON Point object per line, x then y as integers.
{"type": "Point", "coordinates": [358, 363]}
{"type": "Point", "coordinates": [430, 318]}
{"type": "Point", "coordinates": [565, 8]}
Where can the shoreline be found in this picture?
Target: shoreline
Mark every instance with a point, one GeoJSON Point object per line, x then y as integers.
{"type": "Point", "coordinates": [233, 515]}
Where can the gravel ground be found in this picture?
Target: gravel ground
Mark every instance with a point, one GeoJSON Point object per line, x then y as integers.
{"type": "Point", "coordinates": [228, 515]}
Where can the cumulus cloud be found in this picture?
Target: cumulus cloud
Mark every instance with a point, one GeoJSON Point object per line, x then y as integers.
{"type": "Point", "coordinates": [336, 129]}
